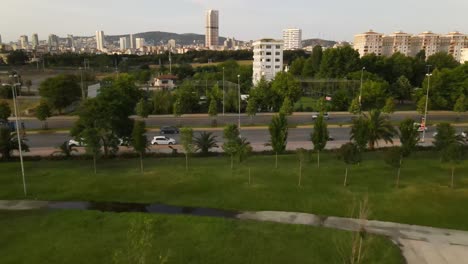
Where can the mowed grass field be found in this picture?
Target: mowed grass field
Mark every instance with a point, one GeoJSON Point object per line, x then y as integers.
{"type": "Point", "coordinates": [424, 197]}
{"type": "Point", "coordinates": [94, 237]}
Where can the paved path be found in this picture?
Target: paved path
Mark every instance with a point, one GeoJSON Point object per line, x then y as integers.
{"type": "Point", "coordinates": [419, 244]}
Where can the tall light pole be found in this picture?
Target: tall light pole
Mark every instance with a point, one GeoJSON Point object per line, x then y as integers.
{"type": "Point", "coordinates": [82, 86]}
{"type": "Point", "coordinates": [360, 90]}
{"type": "Point", "coordinates": [427, 102]}
{"type": "Point", "coordinates": [13, 88]}
{"type": "Point", "coordinates": [238, 87]}
{"type": "Point", "coordinates": [223, 91]}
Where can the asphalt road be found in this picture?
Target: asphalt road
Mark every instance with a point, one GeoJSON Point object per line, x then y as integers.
{"type": "Point", "coordinates": [260, 119]}
{"type": "Point", "coordinates": [254, 136]}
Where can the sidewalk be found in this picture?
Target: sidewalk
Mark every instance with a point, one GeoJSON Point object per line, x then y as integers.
{"type": "Point", "coordinates": [419, 244]}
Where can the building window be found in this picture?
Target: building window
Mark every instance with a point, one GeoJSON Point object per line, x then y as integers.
{"type": "Point", "coordinates": [268, 53]}
{"type": "Point", "coordinates": [268, 46]}
{"type": "Point", "coordinates": [268, 67]}
{"type": "Point", "coordinates": [268, 60]}
{"type": "Point", "coordinates": [277, 60]}
{"type": "Point", "coordinates": [277, 53]}
{"type": "Point", "coordinates": [277, 66]}
{"type": "Point", "coordinates": [278, 46]}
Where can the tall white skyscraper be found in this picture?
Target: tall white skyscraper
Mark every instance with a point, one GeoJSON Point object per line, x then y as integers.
{"type": "Point", "coordinates": [35, 40]}
{"type": "Point", "coordinates": [53, 41]}
{"type": "Point", "coordinates": [70, 41]}
{"type": "Point", "coordinates": [24, 42]}
{"type": "Point", "coordinates": [268, 59]}
{"type": "Point", "coordinates": [212, 29]}
{"type": "Point", "coordinates": [132, 41]}
{"type": "Point", "coordinates": [139, 43]}
{"type": "Point", "coordinates": [123, 43]}
{"type": "Point", "coordinates": [100, 40]}
{"type": "Point", "coordinates": [292, 38]}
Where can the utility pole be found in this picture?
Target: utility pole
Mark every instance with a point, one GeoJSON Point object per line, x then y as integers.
{"type": "Point", "coordinates": [223, 91]}
{"type": "Point", "coordinates": [82, 86]}
{"type": "Point", "coordinates": [360, 90]}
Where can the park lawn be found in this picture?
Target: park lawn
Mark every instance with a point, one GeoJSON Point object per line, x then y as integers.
{"type": "Point", "coordinates": [423, 198]}
{"type": "Point", "coordinates": [94, 237]}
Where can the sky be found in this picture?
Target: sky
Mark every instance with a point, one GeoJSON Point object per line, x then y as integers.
{"type": "Point", "coordinates": [242, 19]}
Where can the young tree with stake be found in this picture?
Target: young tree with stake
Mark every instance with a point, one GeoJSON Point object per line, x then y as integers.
{"type": "Point", "coordinates": [139, 140]}
{"type": "Point", "coordinates": [350, 154]}
{"type": "Point", "coordinates": [231, 138]}
{"type": "Point", "coordinates": [278, 129]}
{"type": "Point", "coordinates": [319, 136]}
{"type": "Point", "coordinates": [186, 139]}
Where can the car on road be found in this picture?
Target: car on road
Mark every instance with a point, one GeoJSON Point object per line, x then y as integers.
{"type": "Point", "coordinates": [162, 140]}
{"type": "Point", "coordinates": [76, 143]}
{"type": "Point", "coordinates": [326, 116]}
{"type": "Point", "coordinates": [169, 130]}
{"type": "Point", "coordinates": [330, 138]}
{"type": "Point", "coordinates": [463, 134]}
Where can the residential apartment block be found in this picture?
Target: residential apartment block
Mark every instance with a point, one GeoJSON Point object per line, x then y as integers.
{"type": "Point", "coordinates": [409, 45]}
{"type": "Point", "coordinates": [268, 59]}
{"type": "Point", "coordinates": [292, 38]}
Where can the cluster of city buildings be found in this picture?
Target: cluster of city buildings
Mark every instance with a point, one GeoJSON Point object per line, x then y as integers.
{"type": "Point", "coordinates": [453, 43]}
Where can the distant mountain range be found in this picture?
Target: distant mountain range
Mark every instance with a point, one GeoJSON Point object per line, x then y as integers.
{"type": "Point", "coordinates": [315, 42]}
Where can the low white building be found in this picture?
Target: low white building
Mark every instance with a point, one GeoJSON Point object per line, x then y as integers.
{"type": "Point", "coordinates": [268, 59]}
{"type": "Point", "coordinates": [165, 82]}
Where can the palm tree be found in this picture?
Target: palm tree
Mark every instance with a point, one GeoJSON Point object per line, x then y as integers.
{"type": "Point", "coordinates": [379, 128]}
{"type": "Point", "coordinates": [9, 142]}
{"type": "Point", "coordinates": [205, 141]}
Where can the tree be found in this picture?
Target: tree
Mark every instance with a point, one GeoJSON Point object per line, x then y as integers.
{"type": "Point", "coordinates": [350, 154]}
{"type": "Point", "coordinates": [409, 136]}
{"type": "Point", "coordinates": [143, 108]}
{"type": "Point", "coordinates": [337, 63]}
{"type": "Point", "coordinates": [43, 112]}
{"type": "Point", "coordinates": [213, 108]}
{"type": "Point", "coordinates": [251, 107]}
{"type": "Point", "coordinates": [92, 143]}
{"type": "Point", "coordinates": [278, 129]}
{"type": "Point", "coordinates": [60, 91]}
{"type": "Point", "coordinates": [186, 139]}
{"type": "Point", "coordinates": [355, 107]}
{"type": "Point", "coordinates": [421, 105]}
{"type": "Point", "coordinates": [379, 128]}
{"type": "Point", "coordinates": [28, 84]}
{"type": "Point", "coordinates": [205, 141]}
{"type": "Point", "coordinates": [17, 57]}
{"type": "Point", "coordinates": [5, 110]}
{"type": "Point", "coordinates": [394, 158]}
{"type": "Point", "coordinates": [287, 107]}
{"type": "Point", "coordinates": [401, 89]}
{"type": "Point", "coordinates": [301, 155]}
{"type": "Point", "coordinates": [139, 140]}
{"type": "Point", "coordinates": [296, 66]}
{"type": "Point", "coordinates": [319, 136]}
{"type": "Point", "coordinates": [177, 108]}
{"type": "Point", "coordinates": [286, 86]}
{"type": "Point", "coordinates": [359, 132]}
{"type": "Point", "coordinates": [445, 136]}
{"type": "Point", "coordinates": [9, 142]}
{"type": "Point", "coordinates": [65, 149]}
{"type": "Point", "coordinates": [231, 137]}
{"type": "Point", "coordinates": [389, 107]}
{"type": "Point", "coordinates": [163, 102]}
{"type": "Point", "coordinates": [453, 154]}
{"type": "Point", "coordinates": [441, 60]}
{"type": "Point", "coordinates": [460, 105]}
{"type": "Point", "coordinates": [243, 148]}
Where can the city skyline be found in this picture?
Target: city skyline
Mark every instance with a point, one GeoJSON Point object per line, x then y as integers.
{"type": "Point", "coordinates": [322, 20]}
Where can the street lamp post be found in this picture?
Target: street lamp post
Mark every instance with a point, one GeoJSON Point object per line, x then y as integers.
{"type": "Point", "coordinates": [13, 88]}
{"type": "Point", "coordinates": [238, 87]}
{"type": "Point", "coordinates": [360, 90]}
{"type": "Point", "coordinates": [425, 108]}
{"type": "Point", "coordinates": [82, 86]}
{"type": "Point", "coordinates": [223, 91]}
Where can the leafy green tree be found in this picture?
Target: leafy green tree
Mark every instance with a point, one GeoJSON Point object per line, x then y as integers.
{"type": "Point", "coordinates": [308, 70]}
{"type": "Point", "coordinates": [263, 95]}
{"type": "Point", "coordinates": [354, 107]}
{"type": "Point", "coordinates": [139, 140]}
{"type": "Point", "coordinates": [319, 136]}
{"type": "Point", "coordinates": [251, 107]}
{"type": "Point", "coordinates": [409, 136]}
{"type": "Point", "coordinates": [316, 58]}
{"type": "Point", "coordinates": [360, 132]}
{"type": "Point", "coordinates": [231, 140]}
{"type": "Point", "coordinates": [373, 95]}
{"type": "Point", "coordinates": [278, 129]}
{"type": "Point", "coordinates": [17, 57]}
{"type": "Point", "coordinates": [394, 158]}
{"type": "Point", "coordinates": [421, 105]}
{"type": "Point", "coordinates": [402, 89]}
{"type": "Point", "coordinates": [301, 155]}
{"type": "Point", "coordinates": [460, 105]}
{"type": "Point", "coordinates": [65, 149]}
{"type": "Point", "coordinates": [205, 141]}
{"type": "Point", "coordinates": [177, 108]}
{"type": "Point", "coordinates": [163, 102]}
{"type": "Point", "coordinates": [296, 66]}
{"type": "Point", "coordinates": [337, 63]}
{"type": "Point", "coordinates": [213, 108]}
{"type": "Point", "coordinates": [60, 91]}
{"type": "Point", "coordinates": [453, 154]}
{"type": "Point", "coordinates": [351, 155]}
{"type": "Point", "coordinates": [43, 112]}
{"type": "Point", "coordinates": [92, 143]}
{"type": "Point", "coordinates": [143, 108]}
{"type": "Point", "coordinates": [379, 128]}
{"type": "Point", "coordinates": [243, 149]}
{"type": "Point", "coordinates": [441, 60]}
{"type": "Point", "coordinates": [5, 110]}
{"type": "Point", "coordinates": [9, 142]}
{"type": "Point", "coordinates": [186, 139]}
{"type": "Point", "coordinates": [445, 136]}
{"type": "Point", "coordinates": [287, 107]}
{"type": "Point", "coordinates": [286, 86]}
{"type": "Point", "coordinates": [389, 107]}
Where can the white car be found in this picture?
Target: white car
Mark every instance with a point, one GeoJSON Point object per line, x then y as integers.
{"type": "Point", "coordinates": [462, 134]}
{"type": "Point", "coordinates": [325, 116]}
{"type": "Point", "coordinates": [162, 140]}
{"type": "Point", "coordinates": [76, 143]}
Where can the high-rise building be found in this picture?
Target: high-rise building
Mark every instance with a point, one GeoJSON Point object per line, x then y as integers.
{"type": "Point", "coordinates": [398, 42]}
{"type": "Point", "coordinates": [456, 42]}
{"type": "Point", "coordinates": [100, 40]}
{"type": "Point", "coordinates": [368, 42]}
{"type": "Point", "coordinates": [292, 38]}
{"type": "Point", "coordinates": [171, 43]}
{"type": "Point", "coordinates": [212, 29]}
{"type": "Point", "coordinates": [24, 42]}
{"type": "Point", "coordinates": [35, 40]}
{"type": "Point", "coordinates": [139, 43]}
{"type": "Point", "coordinates": [464, 55]}
{"type": "Point", "coordinates": [132, 41]}
{"type": "Point", "coordinates": [70, 41]}
{"type": "Point", "coordinates": [268, 59]}
{"type": "Point", "coordinates": [53, 41]}
{"type": "Point", "coordinates": [123, 43]}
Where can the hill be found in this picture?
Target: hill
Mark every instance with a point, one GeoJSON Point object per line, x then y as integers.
{"type": "Point", "coordinates": [321, 42]}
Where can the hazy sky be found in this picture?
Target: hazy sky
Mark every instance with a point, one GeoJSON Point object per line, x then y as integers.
{"type": "Point", "coordinates": [243, 19]}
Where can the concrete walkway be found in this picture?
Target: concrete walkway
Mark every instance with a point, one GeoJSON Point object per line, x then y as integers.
{"type": "Point", "coordinates": [419, 244]}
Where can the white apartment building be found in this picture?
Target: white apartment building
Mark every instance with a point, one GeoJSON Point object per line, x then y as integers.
{"type": "Point", "coordinates": [123, 43]}
{"type": "Point", "coordinates": [132, 41]}
{"type": "Point", "coordinates": [400, 42]}
{"type": "Point", "coordinates": [369, 42]}
{"type": "Point", "coordinates": [429, 42]}
{"type": "Point", "coordinates": [100, 40]}
{"type": "Point", "coordinates": [35, 40]}
{"type": "Point", "coordinates": [292, 38]}
{"type": "Point", "coordinates": [268, 59]}
{"type": "Point", "coordinates": [139, 43]}
{"type": "Point", "coordinates": [464, 55]}
{"type": "Point", "coordinates": [212, 29]}
{"type": "Point", "coordinates": [456, 42]}
{"type": "Point", "coordinates": [24, 42]}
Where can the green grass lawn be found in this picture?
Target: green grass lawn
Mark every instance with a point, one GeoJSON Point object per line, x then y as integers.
{"type": "Point", "coordinates": [93, 237]}
{"type": "Point", "coordinates": [424, 197]}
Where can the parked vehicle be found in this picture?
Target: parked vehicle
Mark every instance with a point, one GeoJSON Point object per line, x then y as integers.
{"type": "Point", "coordinates": [326, 116]}
{"type": "Point", "coordinates": [169, 130]}
{"type": "Point", "coordinates": [76, 143]}
{"type": "Point", "coordinates": [162, 140]}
